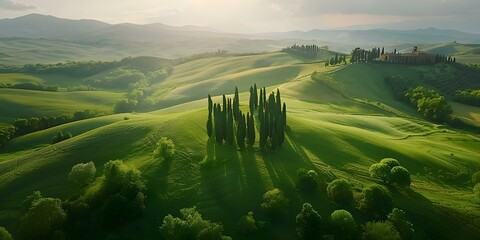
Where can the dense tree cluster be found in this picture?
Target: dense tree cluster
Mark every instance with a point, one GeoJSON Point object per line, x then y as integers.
{"type": "Point", "coordinates": [470, 97]}
{"type": "Point", "coordinates": [390, 171]}
{"type": "Point", "coordinates": [191, 225]}
{"type": "Point", "coordinates": [248, 224]}
{"type": "Point", "coordinates": [343, 224]}
{"type": "Point", "coordinates": [398, 218]}
{"type": "Point", "coordinates": [362, 55]}
{"type": "Point", "coordinates": [307, 180]}
{"type": "Point", "coordinates": [164, 149]}
{"type": "Point", "coordinates": [307, 51]}
{"type": "Point", "coordinates": [31, 86]}
{"type": "Point", "coordinates": [274, 202]}
{"type": "Point", "coordinates": [222, 119]}
{"type": "Point", "coordinates": [61, 136]}
{"type": "Point", "coordinates": [336, 60]}
{"type": "Point", "coordinates": [430, 104]}
{"type": "Point", "coordinates": [380, 231]}
{"type": "Point", "coordinates": [82, 173]}
{"type": "Point", "coordinates": [4, 234]}
{"type": "Point", "coordinates": [24, 126]}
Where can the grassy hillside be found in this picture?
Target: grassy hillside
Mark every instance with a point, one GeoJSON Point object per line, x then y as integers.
{"type": "Point", "coordinates": [339, 123]}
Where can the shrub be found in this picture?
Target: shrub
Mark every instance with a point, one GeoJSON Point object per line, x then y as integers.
{"type": "Point", "coordinates": [390, 162]}
{"type": "Point", "coordinates": [308, 223]}
{"type": "Point", "coordinates": [476, 178]}
{"type": "Point", "coordinates": [165, 148]}
{"type": "Point", "coordinates": [4, 234]}
{"type": "Point", "coordinates": [399, 220]}
{"type": "Point", "coordinates": [125, 106]}
{"type": "Point", "coordinates": [376, 201]}
{"type": "Point", "coordinates": [476, 190]}
{"type": "Point", "coordinates": [307, 180]}
{"type": "Point", "coordinates": [274, 202]}
{"type": "Point", "coordinates": [400, 176]}
{"type": "Point", "coordinates": [61, 136]}
{"type": "Point", "coordinates": [44, 216]}
{"type": "Point", "coordinates": [340, 191]}
{"type": "Point", "coordinates": [190, 225]}
{"type": "Point", "coordinates": [343, 224]}
{"type": "Point", "coordinates": [28, 202]}
{"type": "Point", "coordinates": [248, 224]}
{"type": "Point", "coordinates": [82, 173]}
{"type": "Point", "coordinates": [380, 231]}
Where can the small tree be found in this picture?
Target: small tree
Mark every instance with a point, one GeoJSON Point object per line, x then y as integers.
{"type": "Point", "coordinates": [165, 148]}
{"type": "Point", "coordinates": [44, 216]}
{"type": "Point", "coordinates": [343, 224]}
{"type": "Point", "coordinates": [82, 173]}
{"type": "Point", "coordinates": [376, 201]}
{"type": "Point", "coordinates": [380, 231]}
{"type": "Point", "coordinates": [399, 220]}
{"type": "Point", "coordinates": [400, 176]}
{"type": "Point", "coordinates": [340, 191]}
{"type": "Point", "coordinates": [4, 234]}
{"type": "Point", "coordinates": [307, 180]}
{"type": "Point", "coordinates": [308, 223]}
{"type": "Point", "coordinates": [247, 224]}
{"type": "Point", "coordinates": [274, 202]}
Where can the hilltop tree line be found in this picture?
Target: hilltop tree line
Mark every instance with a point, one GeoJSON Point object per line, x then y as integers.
{"type": "Point", "coordinates": [22, 126]}
{"type": "Point", "coordinates": [336, 60]}
{"type": "Point", "coordinates": [222, 119]}
{"type": "Point", "coordinates": [429, 103]}
{"type": "Point", "coordinates": [307, 51]}
{"type": "Point", "coordinates": [359, 55]}
{"type": "Point", "coordinates": [470, 97]}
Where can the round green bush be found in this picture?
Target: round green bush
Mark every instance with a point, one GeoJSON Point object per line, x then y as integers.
{"type": "Point", "coordinates": [343, 223]}
{"type": "Point", "coordinates": [377, 201]}
{"type": "Point", "coordinates": [340, 191]}
{"type": "Point", "coordinates": [400, 176]}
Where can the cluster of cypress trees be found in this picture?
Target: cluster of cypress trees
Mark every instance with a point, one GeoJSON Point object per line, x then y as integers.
{"type": "Point", "coordinates": [222, 118]}
{"type": "Point", "coordinates": [272, 118]}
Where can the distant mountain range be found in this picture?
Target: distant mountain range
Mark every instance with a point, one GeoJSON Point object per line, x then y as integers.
{"type": "Point", "coordinates": [162, 40]}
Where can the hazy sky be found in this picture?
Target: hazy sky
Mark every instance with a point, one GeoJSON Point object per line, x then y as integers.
{"type": "Point", "coordinates": [259, 15]}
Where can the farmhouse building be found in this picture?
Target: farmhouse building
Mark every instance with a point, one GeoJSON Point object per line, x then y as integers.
{"type": "Point", "coordinates": [415, 57]}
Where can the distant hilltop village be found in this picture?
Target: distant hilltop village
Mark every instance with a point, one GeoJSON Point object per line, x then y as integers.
{"type": "Point", "coordinates": [414, 58]}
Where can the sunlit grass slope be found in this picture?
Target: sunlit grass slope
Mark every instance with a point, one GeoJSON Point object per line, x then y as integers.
{"type": "Point", "coordinates": [335, 126]}
{"type": "Point", "coordinates": [17, 103]}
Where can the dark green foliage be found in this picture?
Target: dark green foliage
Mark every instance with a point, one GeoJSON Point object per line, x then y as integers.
{"type": "Point", "coordinates": [343, 224]}
{"type": "Point", "coordinates": [165, 148]}
{"type": "Point", "coordinates": [241, 131]}
{"type": "Point", "coordinates": [210, 104]}
{"type": "Point", "coordinates": [236, 105]}
{"type": "Point", "coordinates": [476, 190]}
{"type": "Point", "coordinates": [430, 104]}
{"type": "Point", "coordinates": [380, 231]}
{"type": "Point", "coordinates": [470, 97]}
{"type": "Point", "coordinates": [260, 102]}
{"type": "Point", "coordinates": [44, 216]}
{"type": "Point", "coordinates": [124, 190]}
{"type": "Point", "coordinates": [247, 224]}
{"type": "Point", "coordinates": [210, 125]}
{"type": "Point", "coordinates": [230, 131]}
{"type": "Point", "coordinates": [4, 234]}
{"type": "Point", "coordinates": [307, 180]}
{"type": "Point", "coordinates": [224, 118]}
{"type": "Point", "coordinates": [399, 220]}
{"type": "Point", "coordinates": [263, 132]}
{"type": "Point", "coordinates": [251, 101]}
{"type": "Point", "coordinates": [61, 136]}
{"type": "Point", "coordinates": [307, 51]}
{"type": "Point", "coordinates": [308, 223]}
{"type": "Point", "coordinates": [274, 139]}
{"type": "Point", "coordinates": [190, 225]}
{"type": "Point", "coordinates": [383, 169]}
{"type": "Point", "coordinates": [476, 178]}
{"type": "Point", "coordinates": [274, 202]}
{"type": "Point", "coordinates": [82, 173]}
{"type": "Point", "coordinates": [27, 203]}
{"type": "Point", "coordinates": [6, 133]}
{"type": "Point", "coordinates": [32, 86]}
{"type": "Point", "coordinates": [377, 201]}
{"type": "Point", "coordinates": [125, 106]}
{"type": "Point", "coordinates": [250, 130]}
{"type": "Point", "coordinates": [399, 86]}
{"type": "Point", "coordinates": [255, 96]}
{"type": "Point", "coordinates": [340, 191]}
{"type": "Point", "coordinates": [400, 176]}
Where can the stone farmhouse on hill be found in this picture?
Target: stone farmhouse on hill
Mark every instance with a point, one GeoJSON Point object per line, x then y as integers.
{"type": "Point", "coordinates": [415, 57]}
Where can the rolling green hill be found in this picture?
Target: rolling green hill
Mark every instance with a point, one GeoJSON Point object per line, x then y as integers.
{"type": "Point", "coordinates": [340, 121]}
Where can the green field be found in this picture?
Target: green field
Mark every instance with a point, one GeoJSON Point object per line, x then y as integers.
{"type": "Point", "coordinates": [340, 121]}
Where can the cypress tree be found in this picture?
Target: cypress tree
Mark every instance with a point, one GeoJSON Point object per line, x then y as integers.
{"type": "Point", "coordinates": [210, 104]}
{"type": "Point", "coordinates": [255, 95]}
{"type": "Point", "coordinates": [241, 132]}
{"type": "Point", "coordinates": [280, 129]}
{"type": "Point", "coordinates": [236, 104]}
{"type": "Point", "coordinates": [251, 131]}
{"type": "Point", "coordinates": [224, 119]}
{"type": "Point", "coordinates": [260, 104]}
{"type": "Point", "coordinates": [284, 114]}
{"type": "Point", "coordinates": [209, 125]}
{"type": "Point", "coordinates": [229, 133]}
{"type": "Point", "coordinates": [264, 97]}
{"type": "Point", "coordinates": [273, 139]}
{"type": "Point", "coordinates": [263, 134]}
{"type": "Point", "coordinates": [218, 123]}
{"type": "Point", "coordinates": [251, 102]}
